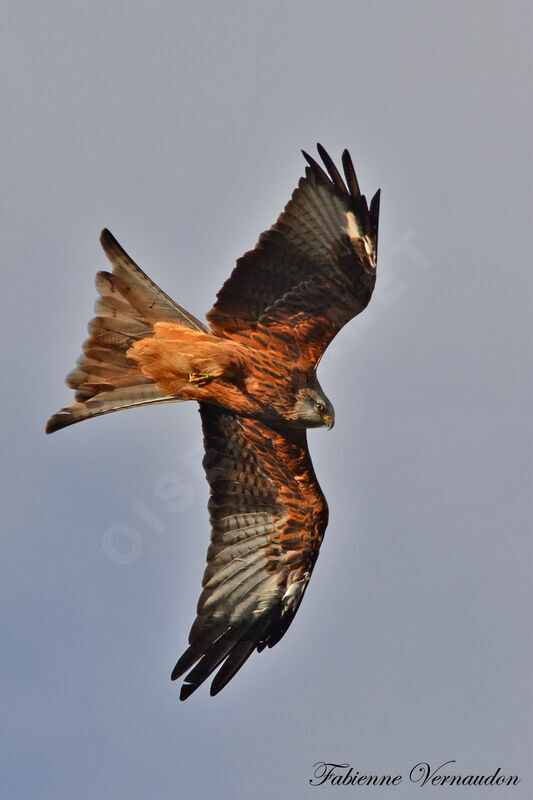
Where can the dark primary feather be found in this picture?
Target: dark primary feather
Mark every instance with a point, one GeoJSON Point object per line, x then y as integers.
{"type": "Point", "coordinates": [349, 171]}
{"type": "Point", "coordinates": [311, 272]}
{"type": "Point", "coordinates": [331, 168]}
{"type": "Point", "coordinates": [267, 526]}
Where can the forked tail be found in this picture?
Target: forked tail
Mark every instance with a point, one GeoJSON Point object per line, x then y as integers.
{"type": "Point", "coordinates": [129, 305]}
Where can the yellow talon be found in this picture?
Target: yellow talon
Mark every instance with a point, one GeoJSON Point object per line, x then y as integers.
{"type": "Point", "coordinates": [200, 378]}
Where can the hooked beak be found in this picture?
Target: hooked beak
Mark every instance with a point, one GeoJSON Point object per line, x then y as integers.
{"type": "Point", "coordinates": [328, 420]}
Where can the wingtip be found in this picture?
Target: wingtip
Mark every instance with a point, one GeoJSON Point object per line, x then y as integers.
{"type": "Point", "coordinates": [374, 207]}
{"type": "Point", "coordinates": [310, 160]}
{"type": "Point", "coordinates": [105, 234]}
{"type": "Point", "coordinates": [333, 172]}
{"type": "Point", "coordinates": [349, 171]}
{"type": "Point", "coordinates": [114, 250]}
{"type": "Point", "coordinates": [108, 241]}
{"type": "Point", "coordinates": [323, 153]}
{"type": "Point", "coordinates": [315, 167]}
{"type": "Point", "coordinates": [59, 420]}
{"type": "Point", "coordinates": [187, 689]}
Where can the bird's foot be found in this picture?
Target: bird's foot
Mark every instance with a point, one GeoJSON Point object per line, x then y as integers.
{"type": "Point", "coordinates": [200, 378]}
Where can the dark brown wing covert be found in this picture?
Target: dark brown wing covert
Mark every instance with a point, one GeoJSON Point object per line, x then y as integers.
{"type": "Point", "coordinates": [311, 272]}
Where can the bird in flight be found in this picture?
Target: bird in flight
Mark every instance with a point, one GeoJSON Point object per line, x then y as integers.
{"type": "Point", "coordinates": [253, 372]}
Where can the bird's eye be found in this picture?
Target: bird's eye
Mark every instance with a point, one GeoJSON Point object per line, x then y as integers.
{"type": "Point", "coordinates": [320, 407]}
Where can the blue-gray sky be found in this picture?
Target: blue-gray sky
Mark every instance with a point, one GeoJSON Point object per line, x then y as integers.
{"type": "Point", "coordinates": [178, 125]}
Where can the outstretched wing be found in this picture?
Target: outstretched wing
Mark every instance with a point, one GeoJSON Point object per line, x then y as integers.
{"type": "Point", "coordinates": [268, 517]}
{"type": "Point", "coordinates": [311, 272]}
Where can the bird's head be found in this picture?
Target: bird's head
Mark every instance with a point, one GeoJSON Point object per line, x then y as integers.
{"type": "Point", "coordinates": [312, 409]}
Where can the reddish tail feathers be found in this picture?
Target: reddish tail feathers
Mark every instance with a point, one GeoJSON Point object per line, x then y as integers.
{"type": "Point", "coordinates": [111, 373]}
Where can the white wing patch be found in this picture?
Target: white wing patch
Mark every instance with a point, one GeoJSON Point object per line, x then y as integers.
{"type": "Point", "coordinates": [355, 231]}
{"type": "Point", "coordinates": [293, 594]}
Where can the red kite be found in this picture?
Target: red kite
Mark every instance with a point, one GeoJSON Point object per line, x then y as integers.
{"type": "Point", "coordinates": [253, 372]}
